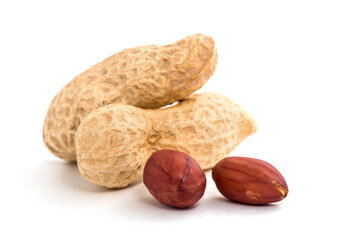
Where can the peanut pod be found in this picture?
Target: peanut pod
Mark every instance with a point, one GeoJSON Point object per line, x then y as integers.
{"type": "Point", "coordinates": [147, 77]}
{"type": "Point", "coordinates": [113, 143]}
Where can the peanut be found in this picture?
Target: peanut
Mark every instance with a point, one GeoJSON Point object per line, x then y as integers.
{"type": "Point", "coordinates": [147, 77]}
{"type": "Point", "coordinates": [174, 178]}
{"type": "Point", "coordinates": [249, 180]}
{"type": "Point", "coordinates": [113, 143]}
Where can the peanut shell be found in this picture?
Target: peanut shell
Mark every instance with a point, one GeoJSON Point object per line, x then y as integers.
{"type": "Point", "coordinates": [113, 143]}
{"type": "Point", "coordinates": [147, 77]}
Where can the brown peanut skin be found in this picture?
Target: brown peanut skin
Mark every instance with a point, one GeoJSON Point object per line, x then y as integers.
{"type": "Point", "coordinates": [147, 77]}
{"type": "Point", "coordinates": [174, 178]}
{"type": "Point", "coordinates": [249, 180]}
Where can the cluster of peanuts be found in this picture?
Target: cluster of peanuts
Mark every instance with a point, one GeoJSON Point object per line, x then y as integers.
{"type": "Point", "coordinates": [111, 118]}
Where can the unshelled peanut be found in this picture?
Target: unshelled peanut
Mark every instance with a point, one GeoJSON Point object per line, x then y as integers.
{"type": "Point", "coordinates": [114, 142]}
{"type": "Point", "coordinates": [147, 77]}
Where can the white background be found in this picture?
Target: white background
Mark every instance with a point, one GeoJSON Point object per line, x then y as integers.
{"type": "Point", "coordinates": [281, 60]}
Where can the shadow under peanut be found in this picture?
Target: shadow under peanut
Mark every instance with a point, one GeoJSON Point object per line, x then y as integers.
{"type": "Point", "coordinates": [62, 183]}
{"type": "Point", "coordinates": [221, 205]}
{"type": "Point", "coordinates": [143, 206]}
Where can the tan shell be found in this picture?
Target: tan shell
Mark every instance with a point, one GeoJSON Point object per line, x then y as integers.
{"type": "Point", "coordinates": [147, 77]}
{"type": "Point", "coordinates": [114, 142]}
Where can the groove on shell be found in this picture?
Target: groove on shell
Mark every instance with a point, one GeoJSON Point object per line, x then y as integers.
{"type": "Point", "coordinates": [147, 77]}
{"type": "Point", "coordinates": [184, 127]}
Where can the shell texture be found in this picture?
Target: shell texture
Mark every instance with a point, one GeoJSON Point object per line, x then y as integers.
{"type": "Point", "coordinates": [148, 77]}
{"type": "Point", "coordinates": [114, 142]}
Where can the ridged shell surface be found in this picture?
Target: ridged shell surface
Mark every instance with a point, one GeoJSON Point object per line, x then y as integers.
{"type": "Point", "coordinates": [113, 143]}
{"type": "Point", "coordinates": [147, 77]}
